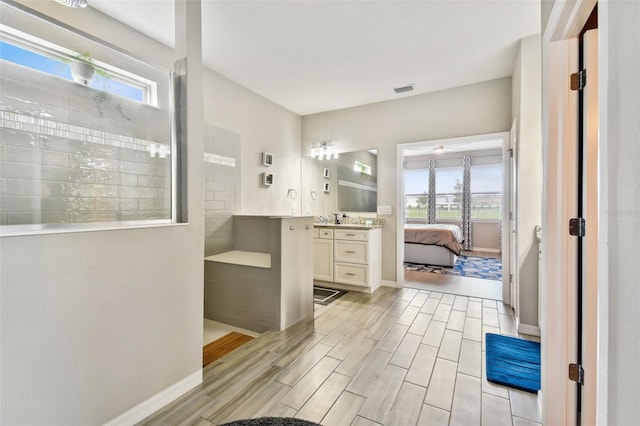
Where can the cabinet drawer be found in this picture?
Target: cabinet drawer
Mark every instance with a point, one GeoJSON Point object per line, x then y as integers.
{"type": "Point", "coordinates": [350, 274]}
{"type": "Point", "coordinates": [350, 251]}
{"type": "Point", "coordinates": [325, 233]}
{"type": "Point", "coordinates": [351, 234]}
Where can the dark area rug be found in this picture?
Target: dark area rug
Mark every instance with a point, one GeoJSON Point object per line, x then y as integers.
{"type": "Point", "coordinates": [271, 421]}
{"type": "Point", "coordinates": [486, 268]}
{"type": "Point", "coordinates": [513, 362]}
{"type": "Point", "coordinates": [325, 296]}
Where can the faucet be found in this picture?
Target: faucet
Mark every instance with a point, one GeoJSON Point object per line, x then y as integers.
{"type": "Point", "coordinates": [337, 218]}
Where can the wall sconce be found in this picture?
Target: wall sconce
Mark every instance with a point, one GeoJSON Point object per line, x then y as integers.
{"type": "Point", "coordinates": [323, 150]}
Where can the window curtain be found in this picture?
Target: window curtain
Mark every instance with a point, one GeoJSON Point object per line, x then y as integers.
{"type": "Point", "coordinates": [431, 216]}
{"type": "Point", "coordinates": [466, 203]}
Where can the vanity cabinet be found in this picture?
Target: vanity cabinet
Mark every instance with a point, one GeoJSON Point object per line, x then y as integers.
{"type": "Point", "coordinates": [323, 254]}
{"type": "Point", "coordinates": [352, 257]}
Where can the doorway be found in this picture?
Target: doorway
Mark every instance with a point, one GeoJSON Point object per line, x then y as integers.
{"type": "Point", "coordinates": [437, 165]}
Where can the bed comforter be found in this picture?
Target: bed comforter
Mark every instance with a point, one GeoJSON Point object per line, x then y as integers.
{"type": "Point", "coordinates": [449, 236]}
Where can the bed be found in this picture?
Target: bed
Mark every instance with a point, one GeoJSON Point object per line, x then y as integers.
{"type": "Point", "coordinates": [433, 244]}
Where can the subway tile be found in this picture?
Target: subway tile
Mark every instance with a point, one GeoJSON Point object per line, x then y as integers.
{"type": "Point", "coordinates": [62, 174]}
{"type": "Point", "coordinates": [34, 187]}
{"type": "Point", "coordinates": [92, 190]}
{"type": "Point", "coordinates": [66, 203]}
{"type": "Point", "coordinates": [93, 216]}
{"type": "Point", "coordinates": [19, 171]}
{"type": "Point", "coordinates": [23, 218]}
{"type": "Point", "coordinates": [19, 203]}
{"type": "Point", "coordinates": [135, 192]}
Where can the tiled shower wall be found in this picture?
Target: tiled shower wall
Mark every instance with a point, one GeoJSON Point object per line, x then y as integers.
{"type": "Point", "coordinates": [73, 154]}
{"type": "Point", "coordinates": [221, 187]}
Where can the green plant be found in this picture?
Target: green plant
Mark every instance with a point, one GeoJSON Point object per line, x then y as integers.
{"type": "Point", "coordinates": [87, 59]}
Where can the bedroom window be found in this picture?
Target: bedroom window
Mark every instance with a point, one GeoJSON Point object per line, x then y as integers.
{"type": "Point", "coordinates": [416, 193]}
{"type": "Point", "coordinates": [486, 192]}
{"type": "Point", "coordinates": [449, 193]}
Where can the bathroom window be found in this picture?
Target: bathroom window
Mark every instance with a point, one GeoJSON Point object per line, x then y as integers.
{"type": "Point", "coordinates": [75, 153]}
{"type": "Point", "coordinates": [23, 49]}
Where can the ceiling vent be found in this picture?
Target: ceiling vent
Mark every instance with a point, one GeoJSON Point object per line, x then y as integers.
{"type": "Point", "coordinates": [404, 89]}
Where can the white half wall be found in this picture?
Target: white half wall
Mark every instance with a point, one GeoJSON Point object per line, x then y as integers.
{"type": "Point", "coordinates": [93, 323]}
{"type": "Point", "coordinates": [475, 109]}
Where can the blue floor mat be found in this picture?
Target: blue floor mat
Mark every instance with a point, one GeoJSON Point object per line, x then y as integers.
{"type": "Point", "coordinates": [513, 362]}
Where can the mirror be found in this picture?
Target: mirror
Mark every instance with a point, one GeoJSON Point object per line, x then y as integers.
{"type": "Point", "coordinates": [346, 184]}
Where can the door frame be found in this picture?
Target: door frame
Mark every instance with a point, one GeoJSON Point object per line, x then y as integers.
{"type": "Point", "coordinates": [400, 191]}
{"type": "Point", "coordinates": [558, 307]}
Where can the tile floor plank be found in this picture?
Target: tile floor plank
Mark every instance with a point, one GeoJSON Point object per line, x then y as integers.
{"type": "Point", "coordinates": [344, 411]}
{"type": "Point", "coordinates": [379, 403]}
{"type": "Point", "coordinates": [442, 384]}
{"type": "Point", "coordinates": [322, 400]}
{"type": "Point", "coordinates": [433, 416]}
{"type": "Point", "coordinates": [422, 366]}
{"type": "Point", "coordinates": [496, 411]}
{"type": "Point", "coordinates": [407, 406]}
{"type": "Point", "coordinates": [467, 401]}
{"type": "Point", "coordinates": [403, 356]}
{"type": "Point", "coordinates": [300, 393]}
{"type": "Point", "coordinates": [420, 324]}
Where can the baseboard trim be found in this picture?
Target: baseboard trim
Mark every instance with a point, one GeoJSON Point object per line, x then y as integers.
{"type": "Point", "coordinates": [156, 402]}
{"type": "Point", "coordinates": [386, 283]}
{"type": "Point", "coordinates": [531, 330]}
{"type": "Point", "coordinates": [488, 250]}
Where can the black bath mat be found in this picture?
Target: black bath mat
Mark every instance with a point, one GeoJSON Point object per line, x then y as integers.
{"type": "Point", "coordinates": [324, 296]}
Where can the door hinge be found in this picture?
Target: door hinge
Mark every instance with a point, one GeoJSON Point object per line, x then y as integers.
{"type": "Point", "coordinates": [510, 278]}
{"type": "Point", "coordinates": [579, 80]}
{"type": "Point", "coordinates": [577, 226]}
{"type": "Point", "coordinates": [510, 152]}
{"type": "Point", "coordinates": [576, 373]}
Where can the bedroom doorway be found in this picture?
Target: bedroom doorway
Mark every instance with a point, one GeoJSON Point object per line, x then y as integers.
{"type": "Point", "coordinates": [457, 184]}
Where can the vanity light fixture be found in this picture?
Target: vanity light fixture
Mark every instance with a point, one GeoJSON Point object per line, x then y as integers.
{"type": "Point", "coordinates": [323, 150]}
{"type": "Point", "coordinates": [76, 4]}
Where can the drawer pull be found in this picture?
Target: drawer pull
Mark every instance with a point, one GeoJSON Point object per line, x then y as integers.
{"type": "Point", "coordinates": [350, 274]}
{"type": "Point", "coordinates": [350, 251]}
{"type": "Point", "coordinates": [351, 235]}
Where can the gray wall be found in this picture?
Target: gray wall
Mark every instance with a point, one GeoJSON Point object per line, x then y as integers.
{"type": "Point", "coordinates": [469, 110]}
{"type": "Point", "coordinates": [527, 107]}
{"type": "Point", "coordinates": [620, 62]}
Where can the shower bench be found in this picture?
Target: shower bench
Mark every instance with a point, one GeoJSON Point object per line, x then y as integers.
{"type": "Point", "coordinates": [266, 281]}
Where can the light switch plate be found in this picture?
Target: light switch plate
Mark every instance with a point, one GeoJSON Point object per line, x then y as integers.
{"type": "Point", "coordinates": [384, 209]}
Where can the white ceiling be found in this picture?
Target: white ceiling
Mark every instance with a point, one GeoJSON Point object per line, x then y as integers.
{"type": "Point", "coordinates": [320, 55]}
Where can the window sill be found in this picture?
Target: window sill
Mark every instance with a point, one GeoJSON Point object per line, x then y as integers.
{"type": "Point", "coordinates": [45, 229]}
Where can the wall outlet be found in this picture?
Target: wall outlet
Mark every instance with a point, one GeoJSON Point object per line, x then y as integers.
{"type": "Point", "coordinates": [384, 209]}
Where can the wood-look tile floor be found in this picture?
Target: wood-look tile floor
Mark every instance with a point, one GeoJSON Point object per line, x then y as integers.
{"type": "Point", "coordinates": [395, 357]}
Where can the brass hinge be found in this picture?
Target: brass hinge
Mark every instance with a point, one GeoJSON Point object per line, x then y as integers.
{"type": "Point", "coordinates": [577, 227]}
{"type": "Point", "coordinates": [576, 373]}
{"type": "Point", "coordinates": [579, 80]}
